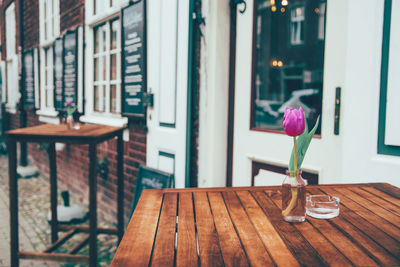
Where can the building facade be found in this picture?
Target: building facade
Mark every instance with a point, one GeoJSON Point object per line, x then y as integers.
{"type": "Point", "coordinates": [220, 74]}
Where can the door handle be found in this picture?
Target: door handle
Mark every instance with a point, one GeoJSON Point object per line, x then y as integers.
{"type": "Point", "coordinates": [337, 110]}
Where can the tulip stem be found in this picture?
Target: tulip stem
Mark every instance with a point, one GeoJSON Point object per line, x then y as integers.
{"type": "Point", "coordinates": [295, 156]}
{"type": "Point", "coordinates": [293, 189]}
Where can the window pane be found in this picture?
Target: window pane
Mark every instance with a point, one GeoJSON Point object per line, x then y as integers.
{"type": "Point", "coordinates": [111, 3]}
{"type": "Point", "coordinates": [114, 32]}
{"type": "Point", "coordinates": [113, 67]}
{"type": "Point", "coordinates": [94, 7]}
{"type": "Point", "coordinates": [286, 75]}
{"type": "Point", "coordinates": [96, 98]}
{"type": "Point", "coordinates": [96, 40]}
{"type": "Point", "coordinates": [113, 98]}
{"type": "Point", "coordinates": [103, 69]}
{"type": "Point", "coordinates": [96, 69]}
{"type": "Point", "coordinates": [104, 35]}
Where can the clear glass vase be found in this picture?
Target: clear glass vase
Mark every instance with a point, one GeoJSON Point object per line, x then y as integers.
{"type": "Point", "coordinates": [294, 197]}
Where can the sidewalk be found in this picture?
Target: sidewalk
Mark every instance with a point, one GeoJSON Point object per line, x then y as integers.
{"type": "Point", "coordinates": [34, 230]}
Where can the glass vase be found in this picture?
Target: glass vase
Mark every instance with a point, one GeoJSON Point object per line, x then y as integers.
{"type": "Point", "coordinates": [294, 197]}
{"type": "Point", "coordinates": [69, 121]}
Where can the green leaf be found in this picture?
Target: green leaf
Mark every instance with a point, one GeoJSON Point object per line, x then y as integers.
{"type": "Point", "coordinates": [303, 142]}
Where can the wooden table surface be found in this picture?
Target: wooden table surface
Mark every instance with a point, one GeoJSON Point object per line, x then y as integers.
{"type": "Point", "coordinates": [60, 133]}
{"type": "Point", "coordinates": [244, 227]}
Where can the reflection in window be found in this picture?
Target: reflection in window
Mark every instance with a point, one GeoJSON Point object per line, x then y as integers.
{"type": "Point", "coordinates": [286, 73]}
{"type": "Point", "coordinates": [297, 25]}
{"type": "Point", "coordinates": [321, 20]}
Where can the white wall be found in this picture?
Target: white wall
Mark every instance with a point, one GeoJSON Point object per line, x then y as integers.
{"type": "Point", "coordinates": [213, 115]}
{"type": "Point", "coordinates": [360, 104]}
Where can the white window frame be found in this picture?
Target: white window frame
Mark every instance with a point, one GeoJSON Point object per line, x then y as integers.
{"type": "Point", "coordinates": [12, 92]}
{"type": "Point", "coordinates": [52, 21]}
{"type": "Point", "coordinates": [299, 20]}
{"type": "Point", "coordinates": [321, 21]}
{"type": "Point", "coordinates": [104, 15]}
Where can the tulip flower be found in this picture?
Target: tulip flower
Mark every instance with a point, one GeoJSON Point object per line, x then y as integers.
{"type": "Point", "coordinates": [294, 125]}
{"type": "Point", "coordinates": [293, 121]}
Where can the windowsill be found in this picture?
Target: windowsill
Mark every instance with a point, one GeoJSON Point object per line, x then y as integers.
{"type": "Point", "coordinates": [108, 120]}
{"type": "Point", "coordinates": [11, 109]}
{"type": "Point", "coordinates": [48, 116]}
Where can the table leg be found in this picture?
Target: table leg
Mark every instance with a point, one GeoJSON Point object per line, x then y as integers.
{"type": "Point", "coordinates": [92, 206]}
{"type": "Point", "coordinates": [12, 168]}
{"type": "Point", "coordinates": [53, 191]}
{"type": "Point", "coordinates": [120, 195]}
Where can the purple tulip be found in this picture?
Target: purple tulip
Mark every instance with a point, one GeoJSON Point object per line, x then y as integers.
{"type": "Point", "coordinates": [293, 121]}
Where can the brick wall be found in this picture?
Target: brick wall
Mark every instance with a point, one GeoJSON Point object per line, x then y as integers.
{"type": "Point", "coordinates": [71, 14]}
{"type": "Point", "coordinates": [31, 23]}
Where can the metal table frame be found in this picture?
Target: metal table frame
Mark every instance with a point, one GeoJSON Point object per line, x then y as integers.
{"type": "Point", "coordinates": [71, 137]}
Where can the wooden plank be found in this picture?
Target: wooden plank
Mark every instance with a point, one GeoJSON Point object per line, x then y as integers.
{"type": "Point", "coordinates": [271, 239]}
{"type": "Point", "coordinates": [164, 246]}
{"type": "Point", "coordinates": [186, 252]}
{"type": "Point", "coordinates": [137, 243]}
{"type": "Point", "coordinates": [387, 188]}
{"type": "Point", "coordinates": [358, 238]}
{"type": "Point", "coordinates": [257, 254]}
{"type": "Point", "coordinates": [387, 197]}
{"type": "Point", "coordinates": [367, 228]}
{"type": "Point", "coordinates": [210, 252]}
{"type": "Point", "coordinates": [361, 211]}
{"type": "Point", "coordinates": [295, 242]}
{"type": "Point", "coordinates": [231, 248]}
{"type": "Point", "coordinates": [377, 200]}
{"type": "Point", "coordinates": [61, 240]}
{"type": "Point", "coordinates": [372, 207]}
{"type": "Point", "coordinates": [57, 257]}
{"type": "Point", "coordinates": [328, 252]}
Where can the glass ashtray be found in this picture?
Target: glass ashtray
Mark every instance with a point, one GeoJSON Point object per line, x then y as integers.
{"type": "Point", "coordinates": [322, 206]}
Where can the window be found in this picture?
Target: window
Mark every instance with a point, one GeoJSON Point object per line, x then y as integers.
{"type": "Point", "coordinates": [103, 68]}
{"type": "Point", "coordinates": [49, 20]}
{"type": "Point", "coordinates": [106, 74]}
{"type": "Point", "coordinates": [12, 92]}
{"type": "Point", "coordinates": [297, 25]}
{"type": "Point", "coordinates": [286, 75]}
{"type": "Point", "coordinates": [49, 31]}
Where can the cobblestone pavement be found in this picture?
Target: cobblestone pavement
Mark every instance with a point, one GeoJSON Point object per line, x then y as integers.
{"type": "Point", "coordinates": [34, 230]}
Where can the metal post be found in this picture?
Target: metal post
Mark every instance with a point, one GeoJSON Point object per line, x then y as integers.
{"type": "Point", "coordinates": [120, 195]}
{"type": "Point", "coordinates": [53, 191]}
{"type": "Point", "coordinates": [92, 206]}
{"type": "Point", "coordinates": [12, 168]}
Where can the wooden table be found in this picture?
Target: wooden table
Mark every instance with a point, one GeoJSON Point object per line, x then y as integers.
{"type": "Point", "coordinates": [51, 134]}
{"type": "Point", "coordinates": [244, 226]}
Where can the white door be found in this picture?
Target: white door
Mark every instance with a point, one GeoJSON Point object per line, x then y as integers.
{"type": "Point", "coordinates": [167, 59]}
{"type": "Point", "coordinates": [12, 60]}
{"type": "Point", "coordinates": [296, 63]}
